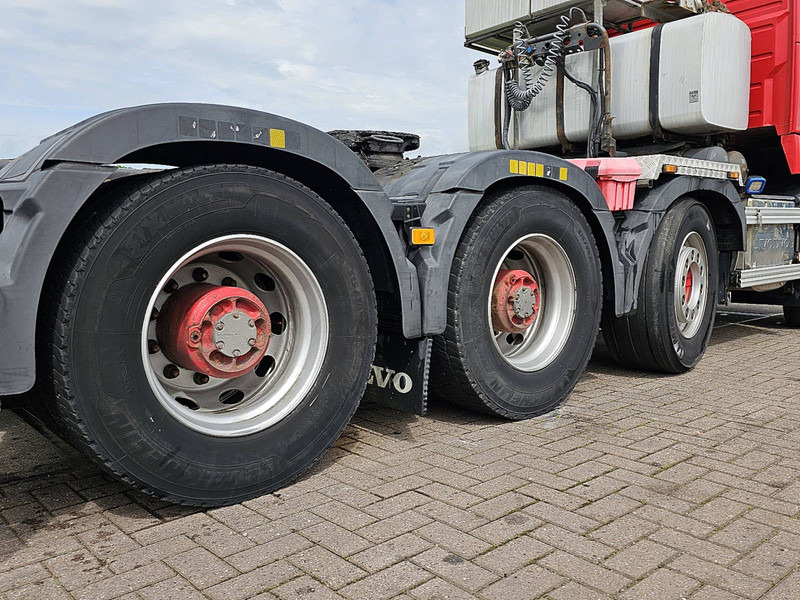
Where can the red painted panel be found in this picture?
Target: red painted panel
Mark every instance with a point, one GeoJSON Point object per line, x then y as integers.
{"type": "Point", "coordinates": [773, 48]}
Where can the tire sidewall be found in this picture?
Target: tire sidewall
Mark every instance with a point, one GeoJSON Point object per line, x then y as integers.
{"type": "Point", "coordinates": [118, 407]}
{"type": "Point", "coordinates": [510, 391]}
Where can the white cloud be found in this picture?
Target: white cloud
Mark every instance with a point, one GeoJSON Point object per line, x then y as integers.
{"type": "Point", "coordinates": [383, 64]}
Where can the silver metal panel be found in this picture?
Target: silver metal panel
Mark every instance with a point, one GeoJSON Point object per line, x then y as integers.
{"type": "Point", "coordinates": [653, 165]}
{"type": "Point", "coordinates": [772, 216]}
{"type": "Point", "coordinates": [752, 277]}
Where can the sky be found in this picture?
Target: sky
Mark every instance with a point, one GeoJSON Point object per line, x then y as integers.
{"type": "Point", "coordinates": [398, 65]}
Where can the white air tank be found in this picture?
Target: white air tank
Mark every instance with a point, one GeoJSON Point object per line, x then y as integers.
{"type": "Point", "coordinates": [703, 87]}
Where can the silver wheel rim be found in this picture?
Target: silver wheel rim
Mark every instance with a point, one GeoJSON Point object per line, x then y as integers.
{"type": "Point", "coordinates": [548, 263]}
{"type": "Point", "coordinates": [690, 300]}
{"type": "Point", "coordinates": [264, 396]}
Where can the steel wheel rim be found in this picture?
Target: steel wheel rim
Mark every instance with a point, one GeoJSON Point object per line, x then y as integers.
{"type": "Point", "coordinates": [298, 351]}
{"type": "Point", "coordinates": [545, 259]}
{"type": "Point", "coordinates": [691, 285]}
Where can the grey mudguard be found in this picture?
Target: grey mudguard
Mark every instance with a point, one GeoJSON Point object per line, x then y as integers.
{"type": "Point", "coordinates": [44, 189]}
{"type": "Point", "coordinates": [635, 232]}
{"type": "Point", "coordinates": [452, 187]}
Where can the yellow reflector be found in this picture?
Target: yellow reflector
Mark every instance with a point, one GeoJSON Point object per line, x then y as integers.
{"type": "Point", "coordinates": [277, 138]}
{"type": "Point", "coordinates": [670, 168]}
{"type": "Point", "coordinates": [562, 174]}
{"type": "Point", "coordinates": [523, 167]}
{"type": "Point", "coordinates": [422, 236]}
{"type": "Point", "coordinates": [513, 166]}
{"type": "Point", "coordinates": [539, 170]}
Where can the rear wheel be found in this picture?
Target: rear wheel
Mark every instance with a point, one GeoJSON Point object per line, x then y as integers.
{"type": "Point", "coordinates": [792, 315]}
{"type": "Point", "coordinates": [523, 306]}
{"type": "Point", "coordinates": [674, 319]}
{"type": "Point", "coordinates": [210, 333]}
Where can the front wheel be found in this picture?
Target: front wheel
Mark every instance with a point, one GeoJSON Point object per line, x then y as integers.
{"type": "Point", "coordinates": [674, 318]}
{"type": "Point", "coordinates": [523, 306]}
{"type": "Point", "coordinates": [209, 334]}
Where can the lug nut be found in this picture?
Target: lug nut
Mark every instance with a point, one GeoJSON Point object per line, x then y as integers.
{"type": "Point", "coordinates": [154, 315]}
{"type": "Point", "coordinates": [220, 326]}
{"type": "Point", "coordinates": [153, 347]}
{"type": "Point", "coordinates": [200, 378]}
{"type": "Point", "coordinates": [236, 315]}
{"type": "Point", "coordinates": [252, 341]}
{"type": "Point", "coordinates": [171, 286]}
{"type": "Point", "coordinates": [199, 274]}
{"type": "Point", "coordinates": [220, 345]}
{"type": "Point", "coordinates": [229, 282]}
{"type": "Point", "coordinates": [236, 354]}
{"type": "Point", "coordinates": [171, 371]}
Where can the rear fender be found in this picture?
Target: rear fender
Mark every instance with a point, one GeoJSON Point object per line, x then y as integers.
{"type": "Point", "coordinates": [43, 190]}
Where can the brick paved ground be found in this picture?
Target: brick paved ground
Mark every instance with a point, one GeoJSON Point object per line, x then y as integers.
{"type": "Point", "coordinates": [642, 487]}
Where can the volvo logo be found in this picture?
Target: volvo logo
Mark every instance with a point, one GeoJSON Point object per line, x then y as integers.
{"type": "Point", "coordinates": [384, 377]}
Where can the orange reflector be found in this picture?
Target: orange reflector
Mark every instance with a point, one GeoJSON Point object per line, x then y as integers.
{"type": "Point", "coordinates": [733, 175]}
{"type": "Point", "coordinates": [422, 236]}
{"type": "Point", "coordinates": [670, 168]}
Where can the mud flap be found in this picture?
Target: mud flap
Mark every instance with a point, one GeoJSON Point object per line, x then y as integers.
{"type": "Point", "coordinates": [399, 377]}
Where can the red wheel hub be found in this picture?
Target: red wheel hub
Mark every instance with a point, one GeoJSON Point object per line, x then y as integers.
{"type": "Point", "coordinates": [515, 301]}
{"type": "Point", "coordinates": [217, 330]}
{"type": "Point", "coordinates": [688, 288]}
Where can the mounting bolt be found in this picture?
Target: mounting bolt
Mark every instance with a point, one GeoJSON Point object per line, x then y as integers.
{"type": "Point", "coordinates": [171, 286]}
{"type": "Point", "coordinates": [200, 378]}
{"type": "Point", "coordinates": [220, 326]}
{"type": "Point", "coordinates": [236, 315]}
{"type": "Point", "coordinates": [252, 341]}
{"type": "Point", "coordinates": [153, 347]}
{"type": "Point", "coordinates": [171, 371]}
{"type": "Point", "coordinates": [220, 345]}
{"type": "Point", "coordinates": [199, 274]}
{"type": "Point", "coordinates": [154, 315]}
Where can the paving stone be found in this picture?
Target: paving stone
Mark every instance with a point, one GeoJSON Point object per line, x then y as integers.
{"type": "Point", "coordinates": [439, 589]}
{"type": "Point", "coordinates": [48, 589]}
{"type": "Point", "coordinates": [171, 589]}
{"type": "Point", "coordinates": [77, 569]}
{"type": "Point", "coordinates": [268, 552]}
{"type": "Point", "coordinates": [248, 585]}
{"type": "Point", "coordinates": [118, 585]}
{"type": "Point", "coordinates": [722, 577]}
{"type": "Point", "coordinates": [639, 559]}
{"type": "Point", "coordinates": [569, 541]}
{"type": "Point", "coordinates": [304, 588]}
{"type": "Point", "coordinates": [201, 568]}
{"type": "Point", "coordinates": [584, 572]}
{"type": "Point", "coordinates": [383, 555]}
{"type": "Point", "coordinates": [512, 555]}
{"type": "Point", "coordinates": [387, 583]}
{"type": "Point", "coordinates": [664, 584]}
{"type": "Point", "coordinates": [530, 582]}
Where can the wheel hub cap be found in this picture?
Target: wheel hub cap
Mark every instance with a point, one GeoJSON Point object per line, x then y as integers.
{"type": "Point", "coordinates": [515, 301]}
{"type": "Point", "coordinates": [691, 282]}
{"type": "Point", "coordinates": [220, 331]}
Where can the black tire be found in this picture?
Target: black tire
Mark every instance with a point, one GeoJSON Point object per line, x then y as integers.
{"type": "Point", "coordinates": [792, 315]}
{"type": "Point", "coordinates": [90, 337]}
{"type": "Point", "coordinates": [650, 339]}
{"type": "Point", "coordinates": [468, 368]}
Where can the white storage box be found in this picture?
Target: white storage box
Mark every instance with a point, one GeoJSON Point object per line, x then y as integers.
{"type": "Point", "coordinates": [703, 87]}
